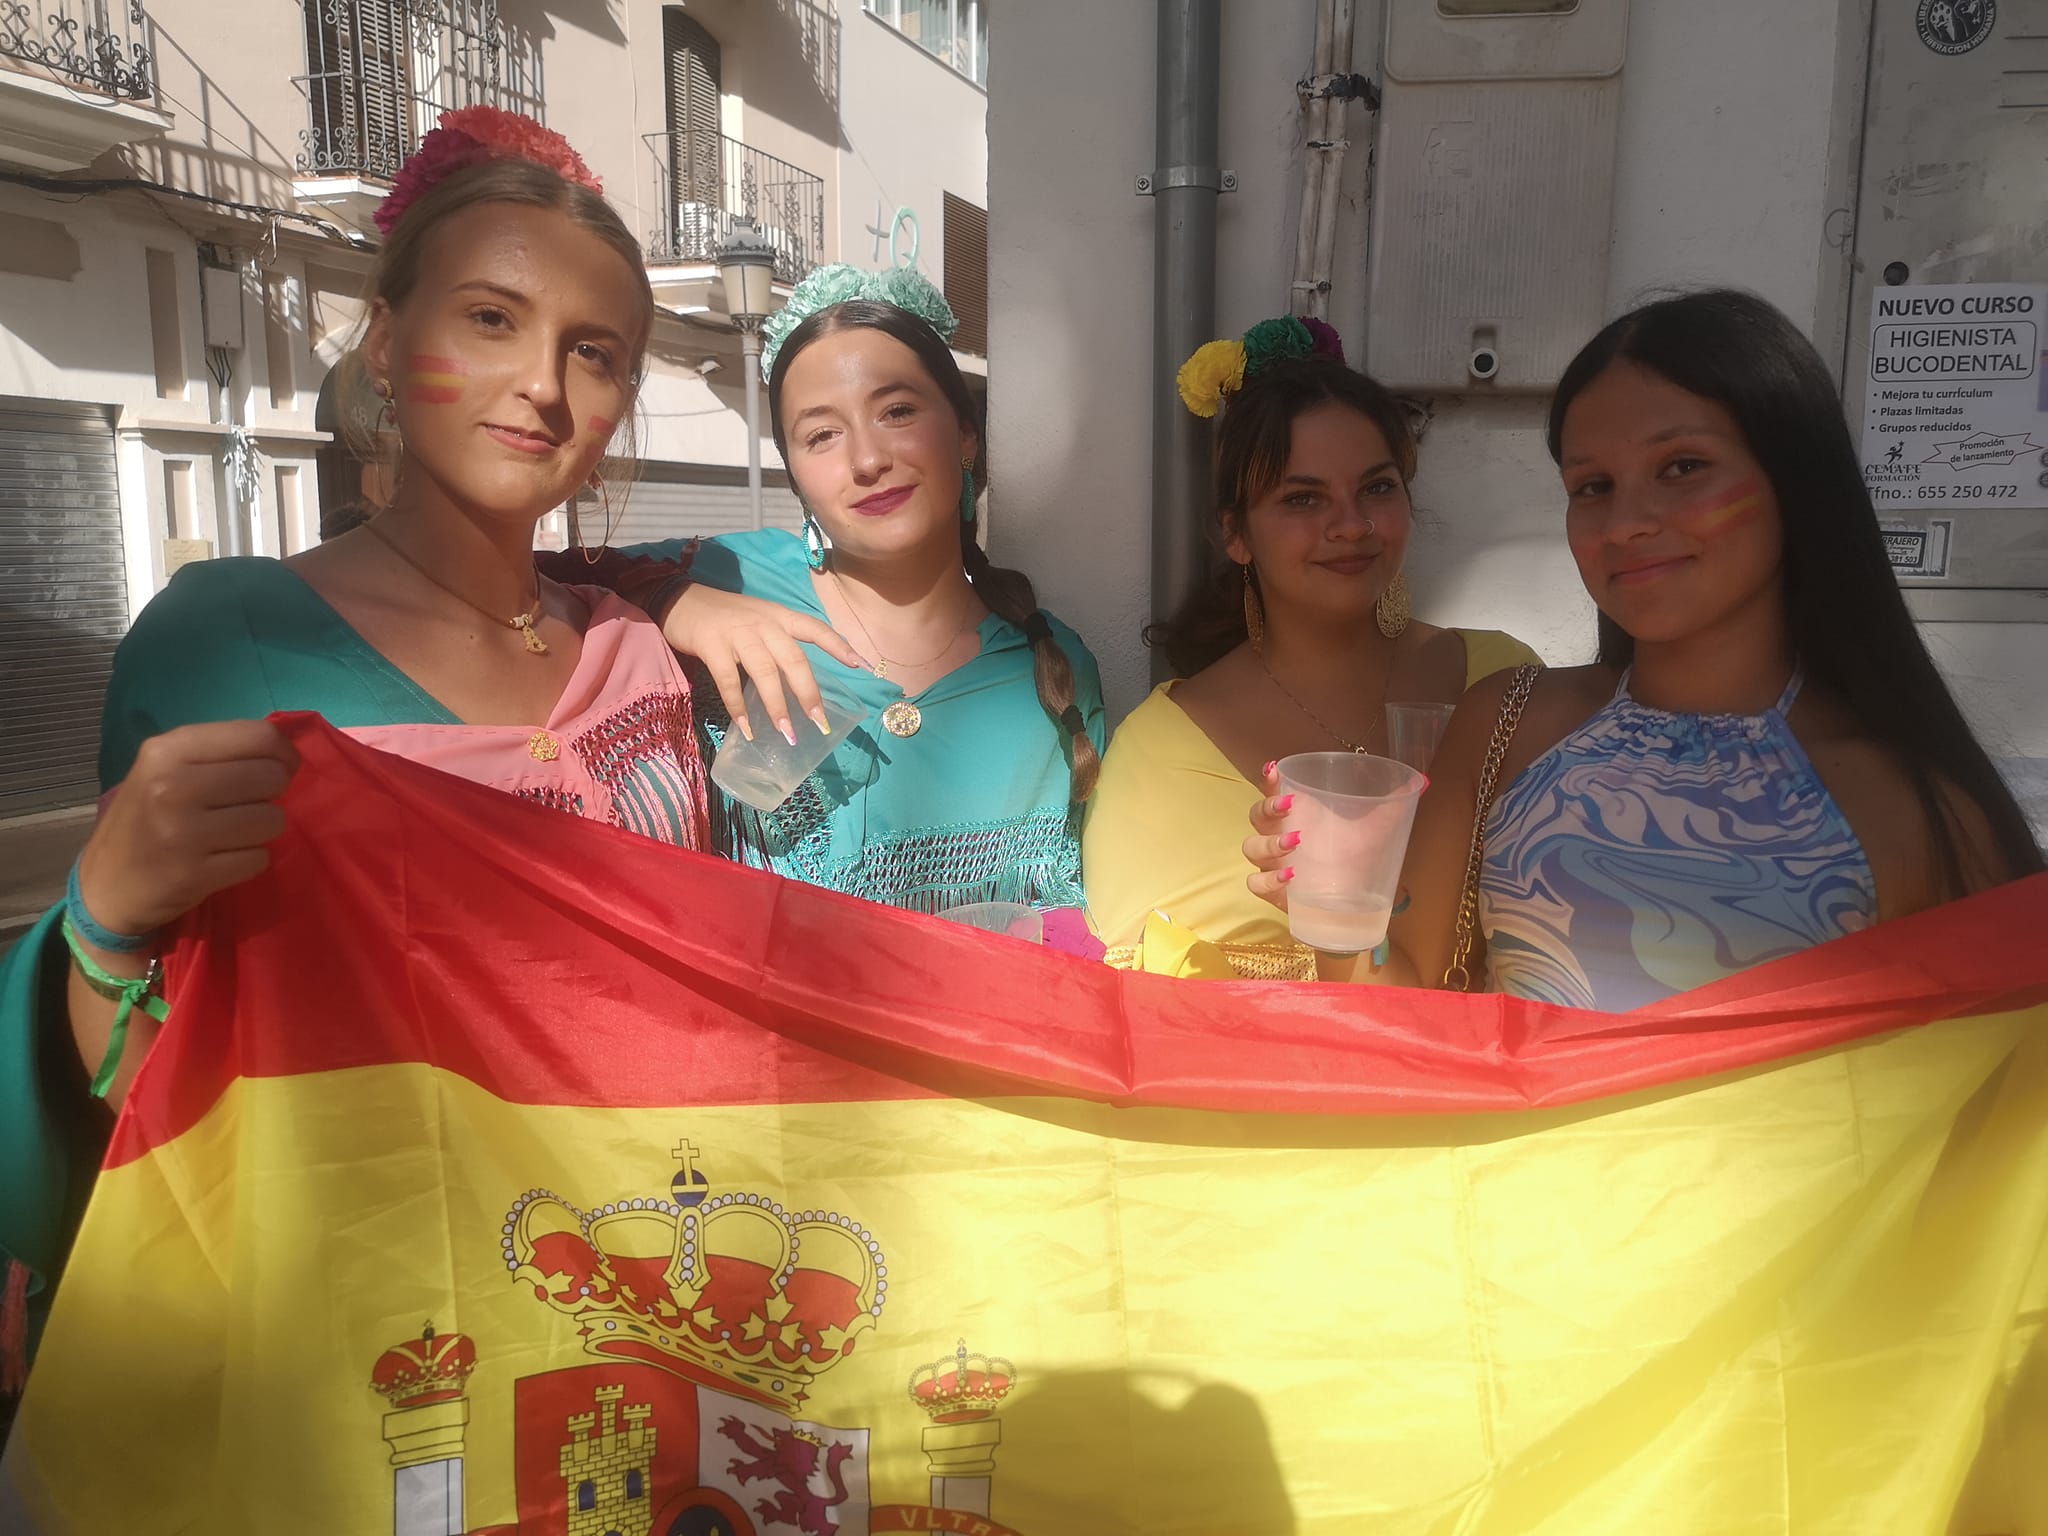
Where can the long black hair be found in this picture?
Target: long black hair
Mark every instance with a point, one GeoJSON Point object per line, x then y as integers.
{"type": "Point", "coordinates": [1007, 592]}
{"type": "Point", "coordinates": [1844, 611]}
{"type": "Point", "coordinates": [1253, 439]}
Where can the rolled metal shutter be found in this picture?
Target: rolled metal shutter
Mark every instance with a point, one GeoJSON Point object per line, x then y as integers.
{"type": "Point", "coordinates": [63, 598]}
{"type": "Point", "coordinates": [687, 501]}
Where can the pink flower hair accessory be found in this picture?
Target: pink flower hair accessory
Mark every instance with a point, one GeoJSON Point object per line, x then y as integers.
{"type": "Point", "coordinates": [469, 136]}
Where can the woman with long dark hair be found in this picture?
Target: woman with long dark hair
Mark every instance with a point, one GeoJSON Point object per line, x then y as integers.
{"type": "Point", "coordinates": [985, 723]}
{"type": "Point", "coordinates": [1296, 644]}
{"type": "Point", "coordinates": [1763, 758]}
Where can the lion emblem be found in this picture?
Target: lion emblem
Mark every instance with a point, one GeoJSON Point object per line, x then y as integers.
{"type": "Point", "coordinates": [808, 1472]}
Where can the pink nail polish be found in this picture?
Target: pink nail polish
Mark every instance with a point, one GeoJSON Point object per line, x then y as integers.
{"type": "Point", "coordinates": [1270, 768]}
{"type": "Point", "coordinates": [1287, 874]}
{"type": "Point", "coordinates": [1291, 841]}
{"type": "Point", "coordinates": [1283, 805]}
{"type": "Point", "coordinates": [788, 732]}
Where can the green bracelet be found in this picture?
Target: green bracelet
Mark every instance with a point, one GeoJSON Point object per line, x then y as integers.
{"type": "Point", "coordinates": [128, 991]}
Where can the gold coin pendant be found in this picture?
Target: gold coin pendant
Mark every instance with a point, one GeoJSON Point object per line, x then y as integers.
{"type": "Point", "coordinates": [902, 719]}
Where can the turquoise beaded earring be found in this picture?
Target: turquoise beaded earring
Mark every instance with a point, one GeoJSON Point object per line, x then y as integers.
{"type": "Point", "coordinates": [967, 490]}
{"type": "Point", "coordinates": [814, 542]}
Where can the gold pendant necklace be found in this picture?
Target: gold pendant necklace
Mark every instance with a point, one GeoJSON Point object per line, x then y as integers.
{"type": "Point", "coordinates": [523, 622]}
{"type": "Point", "coordinates": [1360, 748]}
{"type": "Point", "coordinates": [902, 719]}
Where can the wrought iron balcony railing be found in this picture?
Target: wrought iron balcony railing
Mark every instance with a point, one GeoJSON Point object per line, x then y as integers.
{"type": "Point", "coordinates": [100, 44]}
{"type": "Point", "coordinates": [380, 72]}
{"type": "Point", "coordinates": [703, 181]}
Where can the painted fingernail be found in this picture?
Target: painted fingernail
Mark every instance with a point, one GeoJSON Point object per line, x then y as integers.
{"type": "Point", "coordinates": [1287, 874]}
{"type": "Point", "coordinates": [788, 731]}
{"type": "Point", "coordinates": [1283, 805]}
{"type": "Point", "coordinates": [746, 727]}
{"type": "Point", "coordinates": [818, 719]}
{"type": "Point", "coordinates": [1290, 842]}
{"type": "Point", "coordinates": [1270, 769]}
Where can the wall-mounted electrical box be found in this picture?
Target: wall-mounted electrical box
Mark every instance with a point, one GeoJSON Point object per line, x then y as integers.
{"type": "Point", "coordinates": [220, 306]}
{"type": "Point", "coordinates": [1946, 376]}
{"type": "Point", "coordinates": [1493, 190]}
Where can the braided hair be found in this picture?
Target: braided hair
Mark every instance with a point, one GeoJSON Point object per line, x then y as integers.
{"type": "Point", "coordinates": [1007, 592]}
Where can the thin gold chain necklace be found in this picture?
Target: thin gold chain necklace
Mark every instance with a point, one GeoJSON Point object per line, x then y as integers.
{"type": "Point", "coordinates": [884, 663]}
{"type": "Point", "coordinates": [523, 622]}
{"type": "Point", "coordinates": [1320, 724]}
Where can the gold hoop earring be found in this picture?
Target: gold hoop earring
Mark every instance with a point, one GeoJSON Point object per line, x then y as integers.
{"type": "Point", "coordinates": [1392, 610]}
{"type": "Point", "coordinates": [1254, 610]}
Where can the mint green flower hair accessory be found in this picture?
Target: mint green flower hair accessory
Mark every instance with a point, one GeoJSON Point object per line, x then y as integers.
{"type": "Point", "coordinates": [838, 284]}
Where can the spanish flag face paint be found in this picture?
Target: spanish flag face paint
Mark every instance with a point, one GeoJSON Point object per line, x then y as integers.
{"type": "Point", "coordinates": [433, 380]}
{"type": "Point", "coordinates": [1723, 514]}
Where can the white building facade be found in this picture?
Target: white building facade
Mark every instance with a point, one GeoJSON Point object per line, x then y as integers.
{"type": "Point", "coordinates": [186, 194]}
{"type": "Point", "coordinates": [1809, 150]}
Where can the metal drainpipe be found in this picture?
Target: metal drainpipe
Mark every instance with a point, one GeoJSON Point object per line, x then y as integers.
{"type": "Point", "coordinates": [1184, 188]}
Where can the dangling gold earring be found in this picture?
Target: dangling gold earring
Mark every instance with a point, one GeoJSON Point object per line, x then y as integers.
{"type": "Point", "coordinates": [1392, 608]}
{"type": "Point", "coordinates": [1254, 610]}
{"type": "Point", "coordinates": [387, 421]}
{"type": "Point", "coordinates": [575, 530]}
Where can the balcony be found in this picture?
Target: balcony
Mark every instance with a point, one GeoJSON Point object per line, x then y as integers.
{"type": "Point", "coordinates": [379, 73]}
{"type": "Point", "coordinates": [702, 181]}
{"type": "Point", "coordinates": [77, 77]}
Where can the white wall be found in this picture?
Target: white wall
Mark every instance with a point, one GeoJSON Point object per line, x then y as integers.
{"type": "Point", "coordinates": [1731, 158]}
{"type": "Point", "coordinates": [911, 130]}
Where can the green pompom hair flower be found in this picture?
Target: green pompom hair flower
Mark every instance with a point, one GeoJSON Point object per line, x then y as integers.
{"type": "Point", "coordinates": [903, 287]}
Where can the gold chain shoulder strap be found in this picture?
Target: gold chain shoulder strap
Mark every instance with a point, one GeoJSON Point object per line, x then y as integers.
{"type": "Point", "coordinates": [1457, 977]}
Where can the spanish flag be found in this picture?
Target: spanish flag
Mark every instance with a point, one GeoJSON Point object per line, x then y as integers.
{"type": "Point", "coordinates": [503, 1173]}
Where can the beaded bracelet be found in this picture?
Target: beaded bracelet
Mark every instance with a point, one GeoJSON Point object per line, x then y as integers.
{"type": "Point", "coordinates": [129, 991]}
{"type": "Point", "coordinates": [113, 943]}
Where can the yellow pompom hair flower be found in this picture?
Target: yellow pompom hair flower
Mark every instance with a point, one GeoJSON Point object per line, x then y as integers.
{"type": "Point", "coordinates": [1216, 370]}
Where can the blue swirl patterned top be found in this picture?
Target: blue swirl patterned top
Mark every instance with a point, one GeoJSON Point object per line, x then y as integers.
{"type": "Point", "coordinates": [1649, 853]}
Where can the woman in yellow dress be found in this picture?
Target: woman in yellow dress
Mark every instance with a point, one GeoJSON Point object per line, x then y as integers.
{"type": "Point", "coordinates": [1297, 646]}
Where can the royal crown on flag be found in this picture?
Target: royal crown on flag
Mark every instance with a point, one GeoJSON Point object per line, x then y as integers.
{"type": "Point", "coordinates": [962, 1388]}
{"type": "Point", "coordinates": [433, 1368]}
{"type": "Point", "coordinates": [733, 1290]}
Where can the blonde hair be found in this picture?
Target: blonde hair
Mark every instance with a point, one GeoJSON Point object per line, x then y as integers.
{"type": "Point", "coordinates": [507, 180]}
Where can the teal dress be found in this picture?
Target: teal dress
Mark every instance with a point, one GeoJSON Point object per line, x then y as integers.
{"type": "Point", "coordinates": [977, 806]}
{"type": "Point", "coordinates": [226, 640]}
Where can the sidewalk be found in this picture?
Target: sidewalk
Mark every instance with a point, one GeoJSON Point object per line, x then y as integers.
{"type": "Point", "coordinates": [35, 859]}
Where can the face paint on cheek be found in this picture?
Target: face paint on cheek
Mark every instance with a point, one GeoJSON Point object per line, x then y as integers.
{"type": "Point", "coordinates": [599, 427]}
{"type": "Point", "coordinates": [1710, 520]}
{"type": "Point", "coordinates": [431, 380]}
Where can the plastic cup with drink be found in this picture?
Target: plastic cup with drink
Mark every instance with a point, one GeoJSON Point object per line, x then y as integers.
{"type": "Point", "coordinates": [766, 771]}
{"type": "Point", "coordinates": [1354, 813]}
{"type": "Point", "coordinates": [1415, 731]}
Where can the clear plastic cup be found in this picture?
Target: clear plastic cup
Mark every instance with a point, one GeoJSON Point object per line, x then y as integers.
{"type": "Point", "coordinates": [1354, 814]}
{"type": "Point", "coordinates": [766, 771]}
{"type": "Point", "coordinates": [1012, 919]}
{"type": "Point", "coordinates": [1415, 731]}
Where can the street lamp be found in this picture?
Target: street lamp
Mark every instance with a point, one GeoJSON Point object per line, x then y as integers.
{"type": "Point", "coordinates": [746, 265]}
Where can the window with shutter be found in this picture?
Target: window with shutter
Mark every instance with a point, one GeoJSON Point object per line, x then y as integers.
{"type": "Point", "coordinates": [966, 275]}
{"type": "Point", "coordinates": [359, 85]}
{"type": "Point", "coordinates": [695, 147]}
